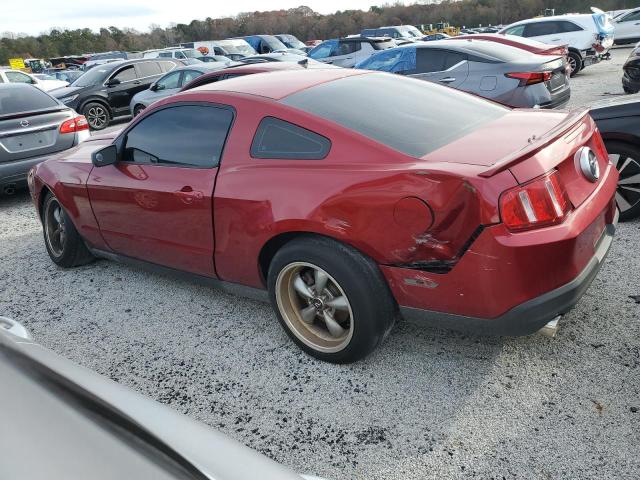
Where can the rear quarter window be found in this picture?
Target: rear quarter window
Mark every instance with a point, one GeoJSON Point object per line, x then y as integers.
{"type": "Point", "coordinates": [412, 116]}
{"type": "Point", "coordinates": [279, 139]}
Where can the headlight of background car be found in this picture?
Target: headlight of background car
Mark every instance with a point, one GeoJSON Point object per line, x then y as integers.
{"type": "Point", "coordinates": [70, 99]}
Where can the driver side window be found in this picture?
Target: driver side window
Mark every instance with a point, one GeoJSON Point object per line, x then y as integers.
{"type": "Point", "coordinates": [170, 81]}
{"type": "Point", "coordinates": [517, 30]}
{"type": "Point", "coordinates": [191, 136]}
{"type": "Point", "coordinates": [632, 17]}
{"type": "Point", "coordinates": [126, 74]}
{"type": "Point", "coordinates": [323, 50]}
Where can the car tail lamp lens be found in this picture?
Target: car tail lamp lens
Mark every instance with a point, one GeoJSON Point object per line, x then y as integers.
{"type": "Point", "coordinates": [74, 125]}
{"type": "Point", "coordinates": [530, 78]}
{"type": "Point", "coordinates": [541, 202]}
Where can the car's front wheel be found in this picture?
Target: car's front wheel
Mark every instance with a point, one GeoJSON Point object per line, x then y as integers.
{"type": "Point", "coordinates": [63, 242]}
{"type": "Point", "coordinates": [97, 115]}
{"type": "Point", "coordinates": [331, 300]}
{"type": "Point", "coordinates": [626, 158]}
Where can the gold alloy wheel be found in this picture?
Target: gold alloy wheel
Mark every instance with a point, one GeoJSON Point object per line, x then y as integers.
{"type": "Point", "coordinates": [314, 307]}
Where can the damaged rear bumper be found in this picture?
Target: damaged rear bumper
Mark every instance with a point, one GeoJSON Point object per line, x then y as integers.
{"type": "Point", "coordinates": [532, 315]}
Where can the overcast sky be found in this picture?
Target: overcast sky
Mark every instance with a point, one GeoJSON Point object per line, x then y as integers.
{"type": "Point", "coordinates": [37, 16]}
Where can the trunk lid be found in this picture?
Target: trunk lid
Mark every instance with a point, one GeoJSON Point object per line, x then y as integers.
{"type": "Point", "coordinates": [530, 144]}
{"type": "Point", "coordinates": [34, 135]}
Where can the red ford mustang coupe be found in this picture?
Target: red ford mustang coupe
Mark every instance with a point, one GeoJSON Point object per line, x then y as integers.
{"type": "Point", "coordinates": [348, 197]}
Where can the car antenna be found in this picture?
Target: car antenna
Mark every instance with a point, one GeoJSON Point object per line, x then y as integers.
{"type": "Point", "coordinates": [304, 62]}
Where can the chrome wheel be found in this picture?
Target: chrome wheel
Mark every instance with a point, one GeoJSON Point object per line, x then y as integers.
{"type": "Point", "coordinates": [628, 191]}
{"type": "Point", "coordinates": [314, 307]}
{"type": "Point", "coordinates": [55, 228]}
{"type": "Point", "coordinates": [97, 117]}
{"type": "Point", "coordinates": [572, 64]}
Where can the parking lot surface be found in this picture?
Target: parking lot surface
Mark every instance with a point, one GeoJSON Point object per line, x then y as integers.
{"type": "Point", "coordinates": [428, 404]}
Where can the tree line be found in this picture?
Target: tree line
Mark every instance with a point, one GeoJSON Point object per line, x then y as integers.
{"type": "Point", "coordinates": [302, 22]}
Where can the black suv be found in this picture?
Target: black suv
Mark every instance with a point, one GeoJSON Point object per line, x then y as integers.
{"type": "Point", "coordinates": [105, 91]}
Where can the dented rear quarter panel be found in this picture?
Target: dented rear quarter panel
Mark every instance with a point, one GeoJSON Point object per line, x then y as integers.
{"type": "Point", "coordinates": [351, 196]}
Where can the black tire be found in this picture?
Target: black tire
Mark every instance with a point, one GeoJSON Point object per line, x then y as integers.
{"type": "Point", "coordinates": [66, 250]}
{"type": "Point", "coordinates": [137, 110]}
{"type": "Point", "coordinates": [97, 114]}
{"type": "Point", "coordinates": [575, 60]}
{"type": "Point", "coordinates": [372, 308]}
{"type": "Point", "coordinates": [629, 89]}
{"type": "Point", "coordinates": [626, 158]}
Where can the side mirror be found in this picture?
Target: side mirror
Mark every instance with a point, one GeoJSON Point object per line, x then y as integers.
{"type": "Point", "coordinates": [105, 156]}
{"type": "Point", "coordinates": [158, 86]}
{"type": "Point", "coordinates": [113, 82]}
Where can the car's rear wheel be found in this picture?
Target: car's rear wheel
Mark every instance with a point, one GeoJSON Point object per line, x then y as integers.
{"type": "Point", "coordinates": [137, 110]}
{"type": "Point", "coordinates": [629, 89]}
{"type": "Point", "coordinates": [331, 300]}
{"type": "Point", "coordinates": [575, 63]}
{"type": "Point", "coordinates": [97, 115]}
{"type": "Point", "coordinates": [626, 158]}
{"type": "Point", "coordinates": [63, 242]}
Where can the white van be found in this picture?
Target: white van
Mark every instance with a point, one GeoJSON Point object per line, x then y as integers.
{"type": "Point", "coordinates": [588, 36]}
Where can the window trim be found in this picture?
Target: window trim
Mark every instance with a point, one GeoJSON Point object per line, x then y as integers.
{"type": "Point", "coordinates": [120, 140]}
{"type": "Point", "coordinates": [260, 156]}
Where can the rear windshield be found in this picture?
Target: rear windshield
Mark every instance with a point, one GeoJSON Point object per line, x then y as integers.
{"type": "Point", "coordinates": [27, 99]}
{"type": "Point", "coordinates": [412, 116]}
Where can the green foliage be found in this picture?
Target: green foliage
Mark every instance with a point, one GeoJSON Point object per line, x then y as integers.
{"type": "Point", "coordinates": [301, 22]}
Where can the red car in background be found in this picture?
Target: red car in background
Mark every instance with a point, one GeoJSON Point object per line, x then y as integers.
{"type": "Point", "coordinates": [335, 193]}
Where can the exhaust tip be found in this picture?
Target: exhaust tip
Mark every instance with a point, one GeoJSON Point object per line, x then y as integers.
{"type": "Point", "coordinates": [551, 328]}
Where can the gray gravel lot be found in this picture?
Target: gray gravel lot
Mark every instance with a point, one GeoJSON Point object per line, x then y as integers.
{"type": "Point", "coordinates": [428, 404]}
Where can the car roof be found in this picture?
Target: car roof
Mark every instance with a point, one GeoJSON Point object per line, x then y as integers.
{"type": "Point", "coordinates": [468, 46]}
{"type": "Point", "coordinates": [249, 68]}
{"type": "Point", "coordinates": [278, 85]}
{"type": "Point", "coordinates": [566, 17]}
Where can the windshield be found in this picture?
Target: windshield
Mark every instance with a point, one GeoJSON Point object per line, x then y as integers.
{"type": "Point", "coordinates": [192, 53]}
{"type": "Point", "coordinates": [274, 43]}
{"type": "Point", "coordinates": [95, 76]}
{"type": "Point", "coordinates": [291, 41]}
{"type": "Point", "coordinates": [412, 31]}
{"type": "Point", "coordinates": [237, 46]}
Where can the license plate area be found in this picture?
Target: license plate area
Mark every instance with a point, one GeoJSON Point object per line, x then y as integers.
{"type": "Point", "coordinates": [558, 81]}
{"type": "Point", "coordinates": [29, 141]}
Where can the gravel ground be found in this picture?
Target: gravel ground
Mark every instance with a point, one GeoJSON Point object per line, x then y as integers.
{"type": "Point", "coordinates": [428, 404]}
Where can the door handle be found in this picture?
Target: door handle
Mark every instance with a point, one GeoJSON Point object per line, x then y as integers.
{"type": "Point", "coordinates": [188, 195]}
{"type": "Point", "coordinates": [555, 39]}
{"type": "Point", "coordinates": [448, 80]}
{"type": "Point", "coordinates": [136, 82]}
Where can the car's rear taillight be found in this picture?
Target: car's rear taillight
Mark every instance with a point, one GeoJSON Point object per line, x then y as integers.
{"type": "Point", "coordinates": [76, 124]}
{"type": "Point", "coordinates": [538, 203]}
{"type": "Point", "coordinates": [530, 78]}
